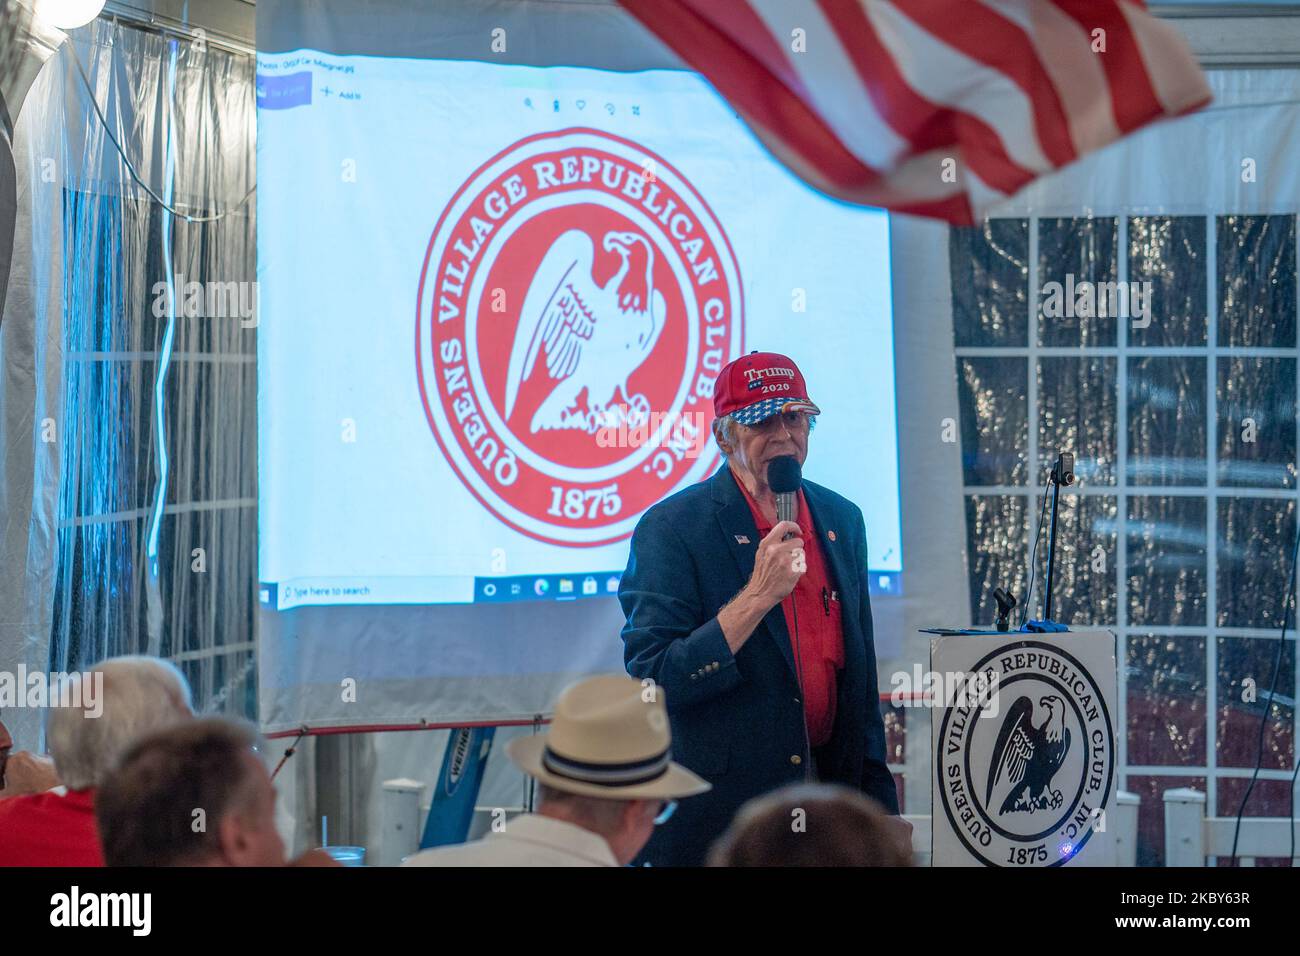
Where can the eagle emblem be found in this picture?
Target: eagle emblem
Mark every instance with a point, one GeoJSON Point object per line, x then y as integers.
{"type": "Point", "coordinates": [1025, 757]}
{"type": "Point", "coordinates": [573, 313]}
{"type": "Point", "coordinates": [588, 339]}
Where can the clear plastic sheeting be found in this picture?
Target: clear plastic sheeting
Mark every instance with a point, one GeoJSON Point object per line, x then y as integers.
{"type": "Point", "coordinates": [144, 349]}
{"type": "Point", "coordinates": [1204, 419]}
{"type": "Point", "coordinates": [1198, 457]}
{"type": "Point", "coordinates": [1180, 405]}
{"type": "Point", "coordinates": [990, 283]}
{"type": "Point", "coordinates": [1181, 409]}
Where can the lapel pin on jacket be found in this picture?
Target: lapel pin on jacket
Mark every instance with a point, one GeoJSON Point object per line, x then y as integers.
{"type": "Point", "coordinates": [831, 535]}
{"type": "Point", "coordinates": [742, 539]}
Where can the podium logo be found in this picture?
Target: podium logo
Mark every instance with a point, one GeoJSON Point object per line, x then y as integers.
{"type": "Point", "coordinates": [1029, 789]}
{"type": "Point", "coordinates": [945, 689]}
{"type": "Point", "coordinates": [577, 301]}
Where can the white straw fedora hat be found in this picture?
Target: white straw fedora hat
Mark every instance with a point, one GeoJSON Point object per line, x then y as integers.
{"type": "Point", "coordinates": [609, 738]}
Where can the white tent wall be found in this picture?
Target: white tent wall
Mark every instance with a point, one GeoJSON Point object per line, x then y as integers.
{"type": "Point", "coordinates": [30, 471]}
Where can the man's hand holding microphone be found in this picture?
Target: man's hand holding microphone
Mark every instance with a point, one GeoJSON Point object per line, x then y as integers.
{"type": "Point", "coordinates": [779, 563]}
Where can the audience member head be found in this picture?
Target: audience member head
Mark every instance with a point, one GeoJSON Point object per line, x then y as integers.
{"type": "Point", "coordinates": [626, 825]}
{"type": "Point", "coordinates": [133, 697]}
{"type": "Point", "coordinates": [812, 825]}
{"type": "Point", "coordinates": [604, 764]}
{"type": "Point", "coordinates": [196, 794]}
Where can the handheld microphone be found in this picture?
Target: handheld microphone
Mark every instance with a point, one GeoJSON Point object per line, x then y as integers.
{"type": "Point", "coordinates": [784, 478]}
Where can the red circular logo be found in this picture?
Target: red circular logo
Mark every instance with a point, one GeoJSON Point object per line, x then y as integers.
{"type": "Point", "coordinates": [577, 301]}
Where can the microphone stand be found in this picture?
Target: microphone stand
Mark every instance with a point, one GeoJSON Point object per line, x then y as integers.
{"type": "Point", "coordinates": [1062, 474]}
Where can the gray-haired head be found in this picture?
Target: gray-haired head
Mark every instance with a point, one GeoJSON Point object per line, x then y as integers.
{"type": "Point", "coordinates": [138, 696]}
{"type": "Point", "coordinates": [724, 433]}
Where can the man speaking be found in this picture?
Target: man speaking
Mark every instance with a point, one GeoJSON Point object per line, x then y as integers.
{"type": "Point", "coordinates": [758, 629]}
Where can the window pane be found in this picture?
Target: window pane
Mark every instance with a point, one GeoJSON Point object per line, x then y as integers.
{"type": "Point", "coordinates": [1245, 674]}
{"type": "Point", "coordinates": [1169, 253]}
{"type": "Point", "coordinates": [994, 419]}
{"type": "Point", "coordinates": [1166, 421]}
{"type": "Point", "coordinates": [1076, 412]}
{"type": "Point", "coordinates": [995, 540]}
{"type": "Point", "coordinates": [989, 273]}
{"type": "Point", "coordinates": [1084, 591]}
{"type": "Point", "coordinates": [206, 560]}
{"type": "Point", "coordinates": [100, 591]}
{"type": "Point", "coordinates": [1256, 280]}
{"type": "Point", "coordinates": [1254, 545]}
{"type": "Point", "coordinates": [211, 431]}
{"type": "Point", "coordinates": [1257, 422]}
{"type": "Point", "coordinates": [1166, 561]}
{"type": "Point", "coordinates": [1166, 701]}
{"type": "Point", "coordinates": [1074, 255]}
{"type": "Point", "coordinates": [108, 466]}
{"type": "Point", "coordinates": [223, 683]}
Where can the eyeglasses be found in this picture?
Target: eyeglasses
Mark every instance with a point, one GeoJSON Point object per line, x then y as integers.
{"type": "Point", "coordinates": [668, 807]}
{"type": "Point", "coordinates": [794, 422]}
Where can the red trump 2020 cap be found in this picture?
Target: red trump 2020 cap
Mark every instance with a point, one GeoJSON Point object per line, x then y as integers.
{"type": "Point", "coordinates": [759, 385]}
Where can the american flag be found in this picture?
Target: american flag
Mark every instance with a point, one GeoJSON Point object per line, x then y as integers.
{"type": "Point", "coordinates": [938, 108]}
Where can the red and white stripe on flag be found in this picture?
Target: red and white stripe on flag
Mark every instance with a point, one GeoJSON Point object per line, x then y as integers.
{"type": "Point", "coordinates": [938, 108]}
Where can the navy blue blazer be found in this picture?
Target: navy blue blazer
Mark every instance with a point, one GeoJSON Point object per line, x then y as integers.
{"type": "Point", "coordinates": [737, 720]}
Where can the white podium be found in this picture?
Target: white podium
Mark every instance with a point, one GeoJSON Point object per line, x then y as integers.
{"type": "Point", "coordinates": [1023, 737]}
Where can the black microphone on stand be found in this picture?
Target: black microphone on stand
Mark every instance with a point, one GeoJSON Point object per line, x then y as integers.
{"type": "Point", "coordinates": [1062, 474]}
{"type": "Point", "coordinates": [784, 478]}
{"type": "Point", "coordinates": [1006, 602]}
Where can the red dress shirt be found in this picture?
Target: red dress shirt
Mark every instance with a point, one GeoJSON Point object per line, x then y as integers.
{"type": "Point", "coordinates": [50, 829]}
{"type": "Point", "coordinates": [819, 646]}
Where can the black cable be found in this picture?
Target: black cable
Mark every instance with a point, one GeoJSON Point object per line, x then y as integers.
{"type": "Point", "coordinates": [1291, 814]}
{"type": "Point", "coordinates": [1288, 604]}
{"type": "Point", "coordinates": [1033, 559]}
{"type": "Point", "coordinates": [130, 166]}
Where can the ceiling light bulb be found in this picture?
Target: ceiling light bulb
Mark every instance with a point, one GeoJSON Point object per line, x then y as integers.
{"type": "Point", "coordinates": [68, 14]}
